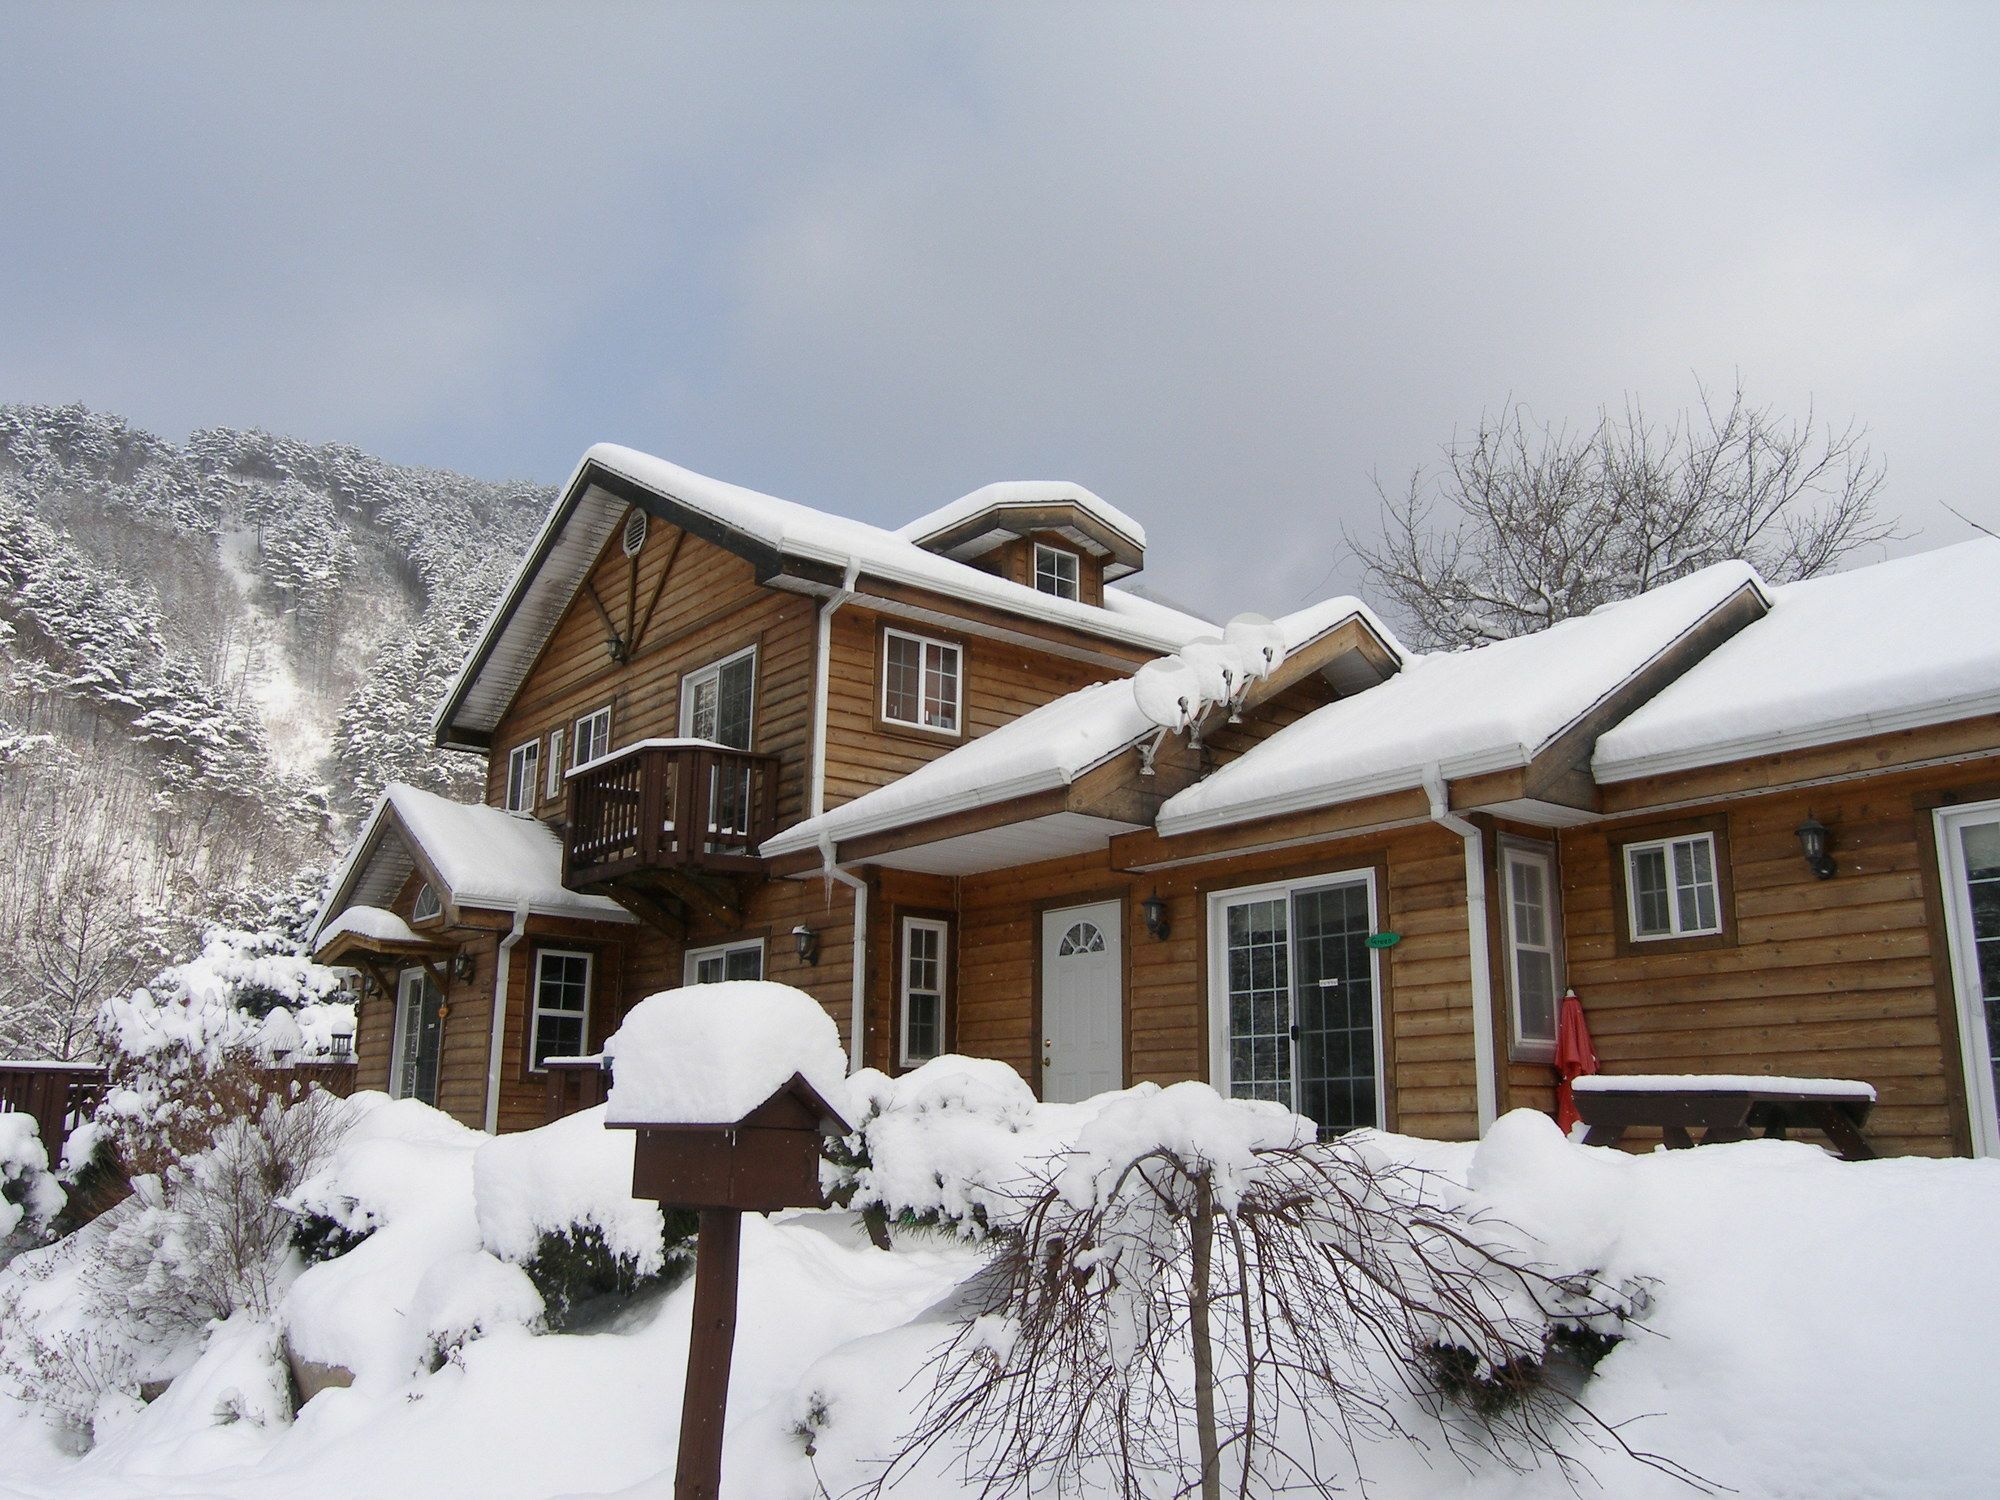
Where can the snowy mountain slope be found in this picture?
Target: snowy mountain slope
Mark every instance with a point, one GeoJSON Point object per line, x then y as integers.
{"type": "Point", "coordinates": [212, 654]}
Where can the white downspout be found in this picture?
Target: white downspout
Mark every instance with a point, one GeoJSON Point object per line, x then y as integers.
{"type": "Point", "coordinates": [822, 660]}
{"type": "Point", "coordinates": [858, 993]}
{"type": "Point", "coordinates": [1479, 954]}
{"type": "Point", "coordinates": [502, 968]}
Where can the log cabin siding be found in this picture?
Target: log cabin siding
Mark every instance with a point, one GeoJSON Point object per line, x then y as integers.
{"type": "Point", "coordinates": [705, 603]}
{"type": "Point", "coordinates": [1833, 978]}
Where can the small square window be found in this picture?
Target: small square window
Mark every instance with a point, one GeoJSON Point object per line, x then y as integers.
{"type": "Point", "coordinates": [724, 961]}
{"type": "Point", "coordinates": [922, 682]}
{"type": "Point", "coordinates": [1056, 572]}
{"type": "Point", "coordinates": [1672, 888]}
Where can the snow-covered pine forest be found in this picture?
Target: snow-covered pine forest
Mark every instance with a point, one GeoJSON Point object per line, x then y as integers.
{"type": "Point", "coordinates": [212, 654]}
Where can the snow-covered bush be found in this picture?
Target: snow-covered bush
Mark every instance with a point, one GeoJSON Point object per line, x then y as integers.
{"type": "Point", "coordinates": [558, 1203]}
{"type": "Point", "coordinates": [30, 1197]}
{"type": "Point", "coordinates": [467, 1296]}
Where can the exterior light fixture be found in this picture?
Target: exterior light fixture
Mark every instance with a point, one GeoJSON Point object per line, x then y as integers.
{"type": "Point", "coordinates": [1154, 911]}
{"type": "Point", "coordinates": [1812, 840]}
{"type": "Point", "coordinates": [461, 966]}
{"type": "Point", "coordinates": [808, 943]}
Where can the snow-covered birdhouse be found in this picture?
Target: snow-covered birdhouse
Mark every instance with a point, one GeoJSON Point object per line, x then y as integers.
{"type": "Point", "coordinates": [731, 1088]}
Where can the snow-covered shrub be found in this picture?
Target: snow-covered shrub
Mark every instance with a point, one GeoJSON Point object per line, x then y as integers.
{"type": "Point", "coordinates": [949, 1143]}
{"type": "Point", "coordinates": [467, 1296]}
{"type": "Point", "coordinates": [558, 1202]}
{"type": "Point", "coordinates": [30, 1197]}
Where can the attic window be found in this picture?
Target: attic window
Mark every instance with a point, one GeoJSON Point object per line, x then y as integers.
{"type": "Point", "coordinates": [635, 533]}
{"type": "Point", "coordinates": [426, 905]}
{"type": "Point", "coordinates": [1055, 571]}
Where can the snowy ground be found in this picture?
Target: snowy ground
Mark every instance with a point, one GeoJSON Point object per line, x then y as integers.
{"type": "Point", "coordinates": [1819, 1329]}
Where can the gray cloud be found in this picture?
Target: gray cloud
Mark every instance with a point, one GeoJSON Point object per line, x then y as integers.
{"type": "Point", "coordinates": [1219, 263]}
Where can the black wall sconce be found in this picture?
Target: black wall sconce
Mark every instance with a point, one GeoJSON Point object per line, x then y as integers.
{"type": "Point", "coordinates": [808, 943]}
{"type": "Point", "coordinates": [1154, 912]}
{"type": "Point", "coordinates": [1813, 839]}
{"type": "Point", "coordinates": [461, 966]}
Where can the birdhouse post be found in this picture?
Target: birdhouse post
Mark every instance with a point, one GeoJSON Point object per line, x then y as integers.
{"type": "Point", "coordinates": [682, 1085]}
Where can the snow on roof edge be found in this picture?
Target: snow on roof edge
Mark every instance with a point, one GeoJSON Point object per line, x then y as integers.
{"type": "Point", "coordinates": [1008, 494]}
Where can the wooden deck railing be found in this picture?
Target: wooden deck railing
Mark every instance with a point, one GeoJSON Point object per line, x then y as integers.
{"type": "Point", "coordinates": [572, 1085]}
{"type": "Point", "coordinates": [669, 806]}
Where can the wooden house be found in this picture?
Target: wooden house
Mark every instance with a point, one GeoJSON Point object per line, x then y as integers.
{"type": "Point", "coordinates": [729, 736]}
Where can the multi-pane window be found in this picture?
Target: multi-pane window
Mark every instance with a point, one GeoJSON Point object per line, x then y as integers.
{"type": "Point", "coordinates": [1056, 571]}
{"type": "Point", "coordinates": [1293, 999]}
{"type": "Point", "coordinates": [1534, 945]}
{"type": "Point", "coordinates": [553, 788]}
{"type": "Point", "coordinates": [524, 765]}
{"type": "Point", "coordinates": [921, 682]}
{"type": "Point", "coordinates": [1671, 888]}
{"type": "Point", "coordinates": [562, 1005]}
{"type": "Point", "coordinates": [923, 988]}
{"type": "Point", "coordinates": [419, 1030]}
{"type": "Point", "coordinates": [716, 701]}
{"type": "Point", "coordinates": [725, 961]}
{"type": "Point", "coordinates": [591, 738]}
{"type": "Point", "coordinates": [427, 904]}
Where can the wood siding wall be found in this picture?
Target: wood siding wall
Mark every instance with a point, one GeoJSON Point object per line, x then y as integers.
{"type": "Point", "coordinates": [1835, 978]}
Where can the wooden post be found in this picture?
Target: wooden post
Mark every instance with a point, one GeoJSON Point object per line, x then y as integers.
{"type": "Point", "coordinates": [704, 1402]}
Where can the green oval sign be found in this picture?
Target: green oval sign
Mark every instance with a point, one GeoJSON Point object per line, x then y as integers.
{"type": "Point", "coordinates": [1384, 939]}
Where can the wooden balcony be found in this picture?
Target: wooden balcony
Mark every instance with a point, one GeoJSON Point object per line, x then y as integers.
{"type": "Point", "coordinates": [667, 817]}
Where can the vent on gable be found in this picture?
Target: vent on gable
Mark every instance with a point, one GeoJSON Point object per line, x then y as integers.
{"type": "Point", "coordinates": [635, 533]}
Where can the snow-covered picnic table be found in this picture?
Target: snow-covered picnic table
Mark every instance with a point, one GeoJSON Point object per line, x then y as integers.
{"type": "Point", "coordinates": [1725, 1107]}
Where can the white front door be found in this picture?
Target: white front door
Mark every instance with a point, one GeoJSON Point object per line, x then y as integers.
{"type": "Point", "coordinates": [1083, 1002]}
{"type": "Point", "coordinates": [1969, 859]}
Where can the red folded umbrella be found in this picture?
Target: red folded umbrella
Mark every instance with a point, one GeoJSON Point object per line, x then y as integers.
{"type": "Point", "coordinates": [1575, 1057]}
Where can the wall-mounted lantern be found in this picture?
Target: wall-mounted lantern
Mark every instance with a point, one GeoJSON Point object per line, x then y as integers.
{"type": "Point", "coordinates": [1153, 911]}
{"type": "Point", "coordinates": [1813, 841]}
{"type": "Point", "coordinates": [807, 942]}
{"type": "Point", "coordinates": [461, 966]}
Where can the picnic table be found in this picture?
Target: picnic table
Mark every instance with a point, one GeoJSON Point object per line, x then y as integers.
{"type": "Point", "coordinates": [1725, 1107]}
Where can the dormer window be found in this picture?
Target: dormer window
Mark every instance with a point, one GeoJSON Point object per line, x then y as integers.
{"type": "Point", "coordinates": [427, 904]}
{"type": "Point", "coordinates": [1056, 571]}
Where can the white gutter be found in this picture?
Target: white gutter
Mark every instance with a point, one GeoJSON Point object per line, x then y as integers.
{"type": "Point", "coordinates": [502, 970]}
{"type": "Point", "coordinates": [1479, 954]}
{"type": "Point", "coordinates": [822, 665]}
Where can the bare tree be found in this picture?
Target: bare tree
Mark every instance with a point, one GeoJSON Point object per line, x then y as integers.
{"type": "Point", "coordinates": [1525, 525]}
{"type": "Point", "coordinates": [1203, 1330]}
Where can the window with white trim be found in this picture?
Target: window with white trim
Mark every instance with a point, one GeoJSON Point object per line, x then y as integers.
{"type": "Point", "coordinates": [1532, 912]}
{"type": "Point", "coordinates": [926, 941]}
{"type": "Point", "coordinates": [591, 737]}
{"type": "Point", "coordinates": [561, 1025]}
{"type": "Point", "coordinates": [923, 683]}
{"type": "Point", "coordinates": [1671, 888]}
{"type": "Point", "coordinates": [743, 960]}
{"type": "Point", "coordinates": [717, 701]}
{"type": "Point", "coordinates": [426, 904]}
{"type": "Point", "coordinates": [524, 773]}
{"type": "Point", "coordinates": [419, 1030]}
{"type": "Point", "coordinates": [1057, 572]}
{"type": "Point", "coordinates": [552, 787]}
{"type": "Point", "coordinates": [1292, 998]}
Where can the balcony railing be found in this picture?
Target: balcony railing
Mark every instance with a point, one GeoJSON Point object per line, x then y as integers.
{"type": "Point", "coordinates": [669, 805]}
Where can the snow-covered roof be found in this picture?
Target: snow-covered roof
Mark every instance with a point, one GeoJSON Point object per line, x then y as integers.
{"type": "Point", "coordinates": [1896, 645]}
{"type": "Point", "coordinates": [1013, 493]}
{"type": "Point", "coordinates": [709, 1054]}
{"type": "Point", "coordinates": [774, 535]}
{"type": "Point", "coordinates": [1466, 712]}
{"type": "Point", "coordinates": [375, 922]}
{"type": "Point", "coordinates": [1045, 749]}
{"type": "Point", "coordinates": [486, 858]}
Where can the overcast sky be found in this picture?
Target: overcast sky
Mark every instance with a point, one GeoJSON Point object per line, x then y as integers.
{"type": "Point", "coordinates": [1220, 264]}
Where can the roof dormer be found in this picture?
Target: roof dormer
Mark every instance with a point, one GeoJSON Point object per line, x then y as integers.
{"type": "Point", "coordinates": [989, 526]}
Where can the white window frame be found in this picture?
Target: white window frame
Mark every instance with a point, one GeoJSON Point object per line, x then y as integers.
{"type": "Point", "coordinates": [1983, 1110]}
{"type": "Point", "coordinates": [417, 912]}
{"type": "Point", "coordinates": [538, 1010]}
{"type": "Point", "coordinates": [710, 673]}
{"type": "Point", "coordinates": [693, 957]}
{"type": "Point", "coordinates": [552, 782]}
{"type": "Point", "coordinates": [524, 775]}
{"type": "Point", "coordinates": [577, 731]}
{"type": "Point", "coordinates": [398, 1066]}
{"type": "Point", "coordinates": [924, 643]}
{"type": "Point", "coordinates": [1219, 903]}
{"type": "Point", "coordinates": [942, 928]}
{"type": "Point", "coordinates": [1674, 930]}
{"type": "Point", "coordinates": [1062, 555]}
{"type": "Point", "coordinates": [1521, 1047]}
